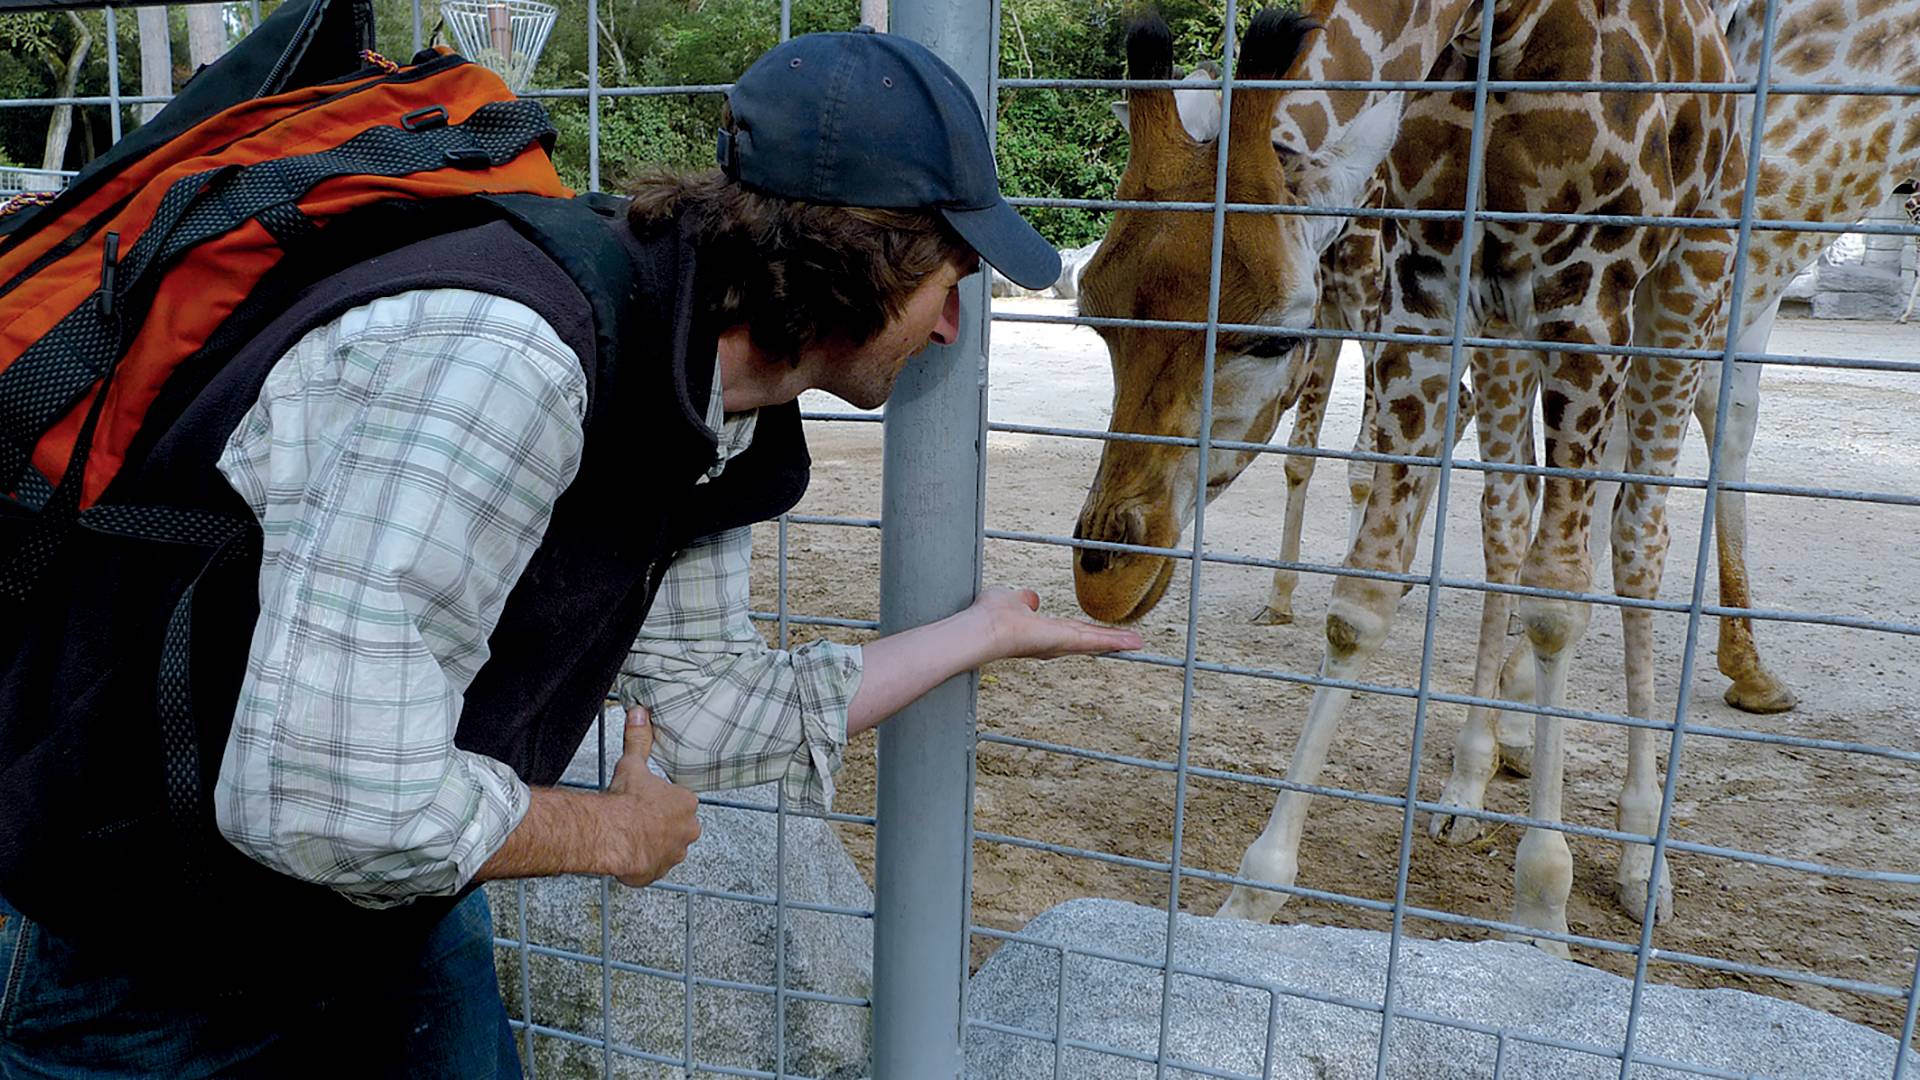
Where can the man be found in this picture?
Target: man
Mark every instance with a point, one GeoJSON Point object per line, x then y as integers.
{"type": "Point", "coordinates": [468, 503]}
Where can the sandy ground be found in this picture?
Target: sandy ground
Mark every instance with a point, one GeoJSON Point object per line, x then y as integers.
{"type": "Point", "coordinates": [1845, 429]}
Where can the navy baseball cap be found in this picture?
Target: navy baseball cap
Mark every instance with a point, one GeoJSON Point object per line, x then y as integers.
{"type": "Point", "coordinates": [875, 120]}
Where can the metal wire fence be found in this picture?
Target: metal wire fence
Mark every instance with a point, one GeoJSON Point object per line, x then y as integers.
{"type": "Point", "coordinates": [935, 538]}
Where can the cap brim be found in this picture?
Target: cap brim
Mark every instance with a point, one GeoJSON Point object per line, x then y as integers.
{"type": "Point", "coordinates": [1005, 240]}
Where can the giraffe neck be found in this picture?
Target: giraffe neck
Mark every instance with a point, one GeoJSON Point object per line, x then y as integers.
{"type": "Point", "coordinates": [1362, 39]}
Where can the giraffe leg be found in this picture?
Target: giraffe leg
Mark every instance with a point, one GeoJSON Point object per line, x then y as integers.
{"type": "Point", "coordinates": [1464, 412]}
{"type": "Point", "coordinates": [1360, 473]}
{"type": "Point", "coordinates": [1505, 380]}
{"type": "Point", "coordinates": [1754, 689]}
{"type": "Point", "coordinates": [1514, 730]}
{"type": "Point", "coordinates": [1579, 391]}
{"type": "Point", "coordinates": [1543, 866]}
{"type": "Point", "coordinates": [1308, 415]}
{"type": "Point", "coordinates": [1655, 406]}
{"type": "Point", "coordinates": [1358, 615]}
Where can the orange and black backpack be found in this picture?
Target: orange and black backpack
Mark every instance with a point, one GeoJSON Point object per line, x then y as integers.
{"type": "Point", "coordinates": [300, 153]}
{"type": "Point", "coordinates": [136, 266]}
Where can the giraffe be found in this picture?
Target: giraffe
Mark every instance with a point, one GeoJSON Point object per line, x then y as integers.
{"type": "Point", "coordinates": [1617, 153]}
{"type": "Point", "coordinates": [1146, 493]}
{"type": "Point", "coordinates": [1823, 158]}
{"type": "Point", "coordinates": [1349, 300]}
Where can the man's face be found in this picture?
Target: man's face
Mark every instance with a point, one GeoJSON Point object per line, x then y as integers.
{"type": "Point", "coordinates": [864, 376]}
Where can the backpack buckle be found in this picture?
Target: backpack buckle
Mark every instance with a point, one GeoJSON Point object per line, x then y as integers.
{"type": "Point", "coordinates": [433, 116]}
{"type": "Point", "coordinates": [109, 270]}
{"type": "Point", "coordinates": [469, 157]}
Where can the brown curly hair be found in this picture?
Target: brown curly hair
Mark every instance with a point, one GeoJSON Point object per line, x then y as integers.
{"type": "Point", "coordinates": [797, 273]}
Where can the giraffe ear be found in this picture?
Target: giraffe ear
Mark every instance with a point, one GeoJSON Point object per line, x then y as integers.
{"type": "Point", "coordinates": [1199, 109]}
{"type": "Point", "coordinates": [1338, 175]}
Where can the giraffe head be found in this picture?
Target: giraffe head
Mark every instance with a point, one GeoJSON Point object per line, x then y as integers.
{"type": "Point", "coordinates": [1154, 264]}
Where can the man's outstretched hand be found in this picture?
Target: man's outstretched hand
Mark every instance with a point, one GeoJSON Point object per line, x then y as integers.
{"type": "Point", "coordinates": [1015, 628]}
{"type": "Point", "coordinates": [1000, 624]}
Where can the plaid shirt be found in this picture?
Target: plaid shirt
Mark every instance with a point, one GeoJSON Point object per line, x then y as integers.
{"type": "Point", "coordinates": [403, 461]}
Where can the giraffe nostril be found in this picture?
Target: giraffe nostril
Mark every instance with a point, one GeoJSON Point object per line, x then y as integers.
{"type": "Point", "coordinates": [1093, 562]}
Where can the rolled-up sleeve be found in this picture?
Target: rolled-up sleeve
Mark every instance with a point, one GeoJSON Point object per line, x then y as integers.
{"type": "Point", "coordinates": [403, 462]}
{"type": "Point", "coordinates": [728, 710]}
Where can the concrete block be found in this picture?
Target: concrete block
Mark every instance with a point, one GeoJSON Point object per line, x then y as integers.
{"type": "Point", "coordinates": [734, 940]}
{"type": "Point", "coordinates": [1499, 986]}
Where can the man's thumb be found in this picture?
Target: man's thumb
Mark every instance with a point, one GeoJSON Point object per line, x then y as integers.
{"type": "Point", "coordinates": [639, 735]}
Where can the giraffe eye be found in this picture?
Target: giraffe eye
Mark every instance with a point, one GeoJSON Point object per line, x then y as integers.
{"type": "Point", "coordinates": [1269, 346]}
{"type": "Point", "coordinates": [1286, 150]}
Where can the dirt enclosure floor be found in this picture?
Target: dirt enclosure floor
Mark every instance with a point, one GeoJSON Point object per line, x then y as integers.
{"type": "Point", "coordinates": [1836, 428]}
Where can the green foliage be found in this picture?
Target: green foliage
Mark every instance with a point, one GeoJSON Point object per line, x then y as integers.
{"type": "Point", "coordinates": [34, 48]}
{"type": "Point", "coordinates": [1053, 144]}
{"type": "Point", "coordinates": [661, 43]}
{"type": "Point", "coordinates": [1066, 143]}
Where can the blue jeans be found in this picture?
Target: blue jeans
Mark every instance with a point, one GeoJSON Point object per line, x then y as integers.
{"type": "Point", "coordinates": [434, 1014]}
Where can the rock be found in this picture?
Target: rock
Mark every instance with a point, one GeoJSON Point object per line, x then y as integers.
{"type": "Point", "coordinates": [1805, 285]}
{"type": "Point", "coordinates": [1004, 287]}
{"type": "Point", "coordinates": [1846, 250]}
{"type": "Point", "coordinates": [1073, 263]}
{"type": "Point", "coordinates": [1885, 305]}
{"type": "Point", "coordinates": [733, 940]}
{"type": "Point", "coordinates": [1856, 278]}
{"type": "Point", "coordinates": [1516, 988]}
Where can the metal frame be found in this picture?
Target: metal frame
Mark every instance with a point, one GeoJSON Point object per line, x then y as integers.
{"type": "Point", "coordinates": [925, 827]}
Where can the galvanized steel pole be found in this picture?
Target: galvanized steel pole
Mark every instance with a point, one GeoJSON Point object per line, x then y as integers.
{"type": "Point", "coordinates": [930, 568]}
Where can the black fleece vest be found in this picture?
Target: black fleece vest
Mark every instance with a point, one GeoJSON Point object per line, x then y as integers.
{"type": "Point", "coordinates": [85, 845]}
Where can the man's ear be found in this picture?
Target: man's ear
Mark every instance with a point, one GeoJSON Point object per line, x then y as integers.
{"type": "Point", "coordinates": [1338, 175]}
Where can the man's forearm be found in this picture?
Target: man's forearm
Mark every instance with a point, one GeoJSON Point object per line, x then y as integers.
{"type": "Point", "coordinates": [1001, 623]}
{"type": "Point", "coordinates": [563, 832]}
{"type": "Point", "coordinates": [898, 668]}
{"type": "Point", "coordinates": [636, 829]}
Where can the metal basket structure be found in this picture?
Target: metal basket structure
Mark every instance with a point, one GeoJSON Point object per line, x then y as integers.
{"type": "Point", "coordinates": [506, 36]}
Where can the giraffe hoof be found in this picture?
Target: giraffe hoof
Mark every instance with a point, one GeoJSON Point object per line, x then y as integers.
{"type": "Point", "coordinates": [1253, 905]}
{"type": "Point", "coordinates": [1761, 694]}
{"type": "Point", "coordinates": [1516, 758]}
{"type": "Point", "coordinates": [1546, 945]}
{"type": "Point", "coordinates": [1632, 896]}
{"type": "Point", "coordinates": [1455, 829]}
{"type": "Point", "coordinates": [1541, 918]}
{"type": "Point", "coordinates": [1273, 616]}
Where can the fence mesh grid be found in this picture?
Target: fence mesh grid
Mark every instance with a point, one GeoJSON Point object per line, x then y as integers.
{"type": "Point", "coordinates": [523, 951]}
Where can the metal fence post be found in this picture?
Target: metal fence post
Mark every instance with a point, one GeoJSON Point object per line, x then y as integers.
{"type": "Point", "coordinates": [930, 568]}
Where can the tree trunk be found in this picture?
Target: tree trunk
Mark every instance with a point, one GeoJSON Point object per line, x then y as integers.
{"type": "Point", "coordinates": [156, 59]}
{"type": "Point", "coordinates": [206, 33]}
{"type": "Point", "coordinates": [874, 14]}
{"type": "Point", "coordinates": [61, 125]}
